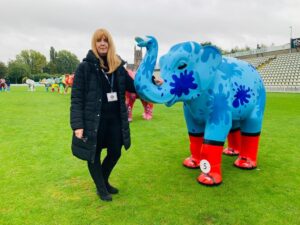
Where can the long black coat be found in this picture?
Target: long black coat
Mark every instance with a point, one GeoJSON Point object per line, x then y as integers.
{"type": "Point", "coordinates": [86, 102]}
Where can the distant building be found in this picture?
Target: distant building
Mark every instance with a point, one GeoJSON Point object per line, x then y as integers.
{"type": "Point", "coordinates": [138, 56]}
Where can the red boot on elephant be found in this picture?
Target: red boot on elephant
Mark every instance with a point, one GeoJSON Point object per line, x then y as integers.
{"type": "Point", "coordinates": [193, 162]}
{"type": "Point", "coordinates": [248, 155]}
{"type": "Point", "coordinates": [234, 143]}
{"type": "Point", "coordinates": [210, 165]}
{"type": "Point", "coordinates": [130, 99]}
{"type": "Point", "coordinates": [148, 109]}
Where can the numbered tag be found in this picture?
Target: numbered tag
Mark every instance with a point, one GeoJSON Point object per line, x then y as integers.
{"type": "Point", "coordinates": [204, 166]}
{"type": "Point", "coordinates": [112, 96]}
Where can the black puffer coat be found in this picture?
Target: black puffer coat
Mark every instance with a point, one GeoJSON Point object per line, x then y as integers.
{"type": "Point", "coordinates": [86, 102]}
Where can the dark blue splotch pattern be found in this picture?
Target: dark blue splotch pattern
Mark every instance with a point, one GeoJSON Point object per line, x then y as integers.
{"type": "Point", "coordinates": [241, 96]}
{"type": "Point", "coordinates": [219, 109]}
{"type": "Point", "coordinates": [183, 83]}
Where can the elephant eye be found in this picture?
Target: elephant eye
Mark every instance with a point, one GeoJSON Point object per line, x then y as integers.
{"type": "Point", "coordinates": [182, 66]}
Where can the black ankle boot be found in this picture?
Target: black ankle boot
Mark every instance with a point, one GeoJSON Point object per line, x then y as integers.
{"type": "Point", "coordinates": [104, 195]}
{"type": "Point", "coordinates": [111, 189]}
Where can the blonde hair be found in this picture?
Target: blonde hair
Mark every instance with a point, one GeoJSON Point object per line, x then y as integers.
{"type": "Point", "coordinates": [113, 59]}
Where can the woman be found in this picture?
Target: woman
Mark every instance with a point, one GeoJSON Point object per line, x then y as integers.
{"type": "Point", "coordinates": [98, 112]}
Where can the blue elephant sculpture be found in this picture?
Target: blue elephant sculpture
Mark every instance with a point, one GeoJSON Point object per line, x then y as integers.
{"type": "Point", "coordinates": [222, 97]}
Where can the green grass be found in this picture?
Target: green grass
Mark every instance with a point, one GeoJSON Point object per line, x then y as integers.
{"type": "Point", "coordinates": [42, 183]}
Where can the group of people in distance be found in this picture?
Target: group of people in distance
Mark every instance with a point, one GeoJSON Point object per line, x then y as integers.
{"type": "Point", "coordinates": [62, 84]}
{"type": "Point", "coordinates": [4, 84]}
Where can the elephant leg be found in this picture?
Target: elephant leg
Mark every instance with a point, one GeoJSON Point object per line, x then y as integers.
{"type": "Point", "coordinates": [148, 109]}
{"type": "Point", "coordinates": [210, 163]}
{"type": "Point", "coordinates": [130, 99]}
{"type": "Point", "coordinates": [234, 143]}
{"type": "Point", "coordinates": [248, 155]}
{"type": "Point", "coordinates": [193, 162]}
{"type": "Point", "coordinates": [250, 130]}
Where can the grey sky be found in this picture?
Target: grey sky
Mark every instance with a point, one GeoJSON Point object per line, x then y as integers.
{"type": "Point", "coordinates": [69, 24]}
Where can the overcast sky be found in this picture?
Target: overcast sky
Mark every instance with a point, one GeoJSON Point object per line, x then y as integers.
{"type": "Point", "coordinates": [69, 24]}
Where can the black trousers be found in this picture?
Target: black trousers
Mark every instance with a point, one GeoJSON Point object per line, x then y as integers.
{"type": "Point", "coordinates": [110, 137]}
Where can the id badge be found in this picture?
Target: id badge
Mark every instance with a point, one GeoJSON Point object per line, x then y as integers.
{"type": "Point", "coordinates": [112, 96]}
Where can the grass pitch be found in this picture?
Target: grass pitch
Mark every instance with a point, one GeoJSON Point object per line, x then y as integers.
{"type": "Point", "coordinates": [42, 183]}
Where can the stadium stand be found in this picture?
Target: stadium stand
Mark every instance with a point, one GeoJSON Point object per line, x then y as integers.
{"type": "Point", "coordinates": [278, 66]}
{"type": "Point", "coordinates": [282, 73]}
{"type": "Point", "coordinates": [256, 62]}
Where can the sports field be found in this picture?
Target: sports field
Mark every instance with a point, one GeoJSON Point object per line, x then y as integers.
{"type": "Point", "coordinates": [42, 183]}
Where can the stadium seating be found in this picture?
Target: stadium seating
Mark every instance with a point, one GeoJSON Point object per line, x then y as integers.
{"type": "Point", "coordinates": [256, 62]}
{"type": "Point", "coordinates": [279, 73]}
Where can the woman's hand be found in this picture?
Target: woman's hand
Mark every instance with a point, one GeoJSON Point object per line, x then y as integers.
{"type": "Point", "coordinates": [79, 133]}
{"type": "Point", "coordinates": [157, 80]}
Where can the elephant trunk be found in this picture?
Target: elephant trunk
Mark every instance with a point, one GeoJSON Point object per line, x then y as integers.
{"type": "Point", "coordinates": [143, 78]}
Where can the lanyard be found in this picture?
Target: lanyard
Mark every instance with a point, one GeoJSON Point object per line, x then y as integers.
{"type": "Point", "coordinates": [111, 84]}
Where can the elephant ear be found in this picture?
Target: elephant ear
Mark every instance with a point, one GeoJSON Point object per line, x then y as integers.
{"type": "Point", "coordinates": [212, 56]}
{"type": "Point", "coordinates": [211, 59]}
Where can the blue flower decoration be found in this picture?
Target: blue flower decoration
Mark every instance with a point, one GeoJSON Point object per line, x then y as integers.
{"type": "Point", "coordinates": [183, 83]}
{"type": "Point", "coordinates": [241, 96]}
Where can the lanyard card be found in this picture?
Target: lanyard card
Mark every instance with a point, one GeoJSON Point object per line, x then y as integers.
{"type": "Point", "coordinates": [112, 96]}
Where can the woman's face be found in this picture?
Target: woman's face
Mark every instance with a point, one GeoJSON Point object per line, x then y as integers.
{"type": "Point", "coordinates": [102, 46]}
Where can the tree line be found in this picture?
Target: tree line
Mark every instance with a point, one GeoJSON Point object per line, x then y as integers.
{"type": "Point", "coordinates": [233, 50]}
{"type": "Point", "coordinates": [34, 65]}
